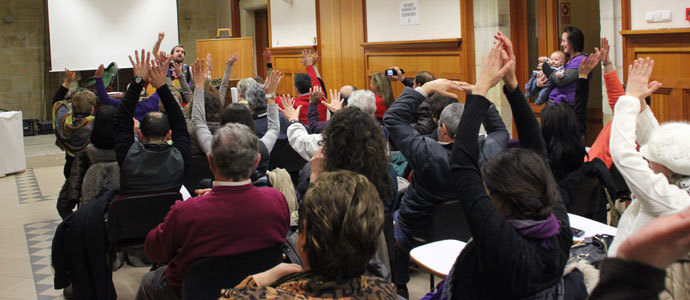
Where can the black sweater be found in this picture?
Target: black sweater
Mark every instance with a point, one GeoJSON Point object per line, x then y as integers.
{"type": "Point", "coordinates": [499, 263]}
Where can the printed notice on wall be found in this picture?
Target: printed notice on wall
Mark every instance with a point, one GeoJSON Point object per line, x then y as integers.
{"type": "Point", "coordinates": [409, 12]}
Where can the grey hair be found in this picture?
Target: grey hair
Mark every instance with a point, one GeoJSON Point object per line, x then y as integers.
{"type": "Point", "coordinates": [243, 85]}
{"type": "Point", "coordinates": [451, 117]}
{"type": "Point", "coordinates": [256, 96]}
{"type": "Point", "coordinates": [234, 151]}
{"type": "Point", "coordinates": [364, 100]}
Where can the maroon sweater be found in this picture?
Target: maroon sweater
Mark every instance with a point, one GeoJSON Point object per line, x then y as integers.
{"type": "Point", "coordinates": [229, 220]}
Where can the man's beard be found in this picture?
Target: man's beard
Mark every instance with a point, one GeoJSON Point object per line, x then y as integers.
{"type": "Point", "coordinates": [178, 59]}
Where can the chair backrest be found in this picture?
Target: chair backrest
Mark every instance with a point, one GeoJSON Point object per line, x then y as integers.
{"type": "Point", "coordinates": [204, 278]}
{"type": "Point", "coordinates": [131, 217]}
{"type": "Point", "coordinates": [448, 221]}
{"type": "Point", "coordinates": [198, 170]}
{"type": "Point", "coordinates": [587, 199]}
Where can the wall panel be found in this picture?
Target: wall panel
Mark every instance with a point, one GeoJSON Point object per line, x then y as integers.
{"type": "Point", "coordinates": [670, 49]}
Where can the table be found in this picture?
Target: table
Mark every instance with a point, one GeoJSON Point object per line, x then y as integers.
{"type": "Point", "coordinates": [12, 159]}
{"type": "Point", "coordinates": [439, 257]}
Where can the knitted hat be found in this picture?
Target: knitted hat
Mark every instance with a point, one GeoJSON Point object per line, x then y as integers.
{"type": "Point", "coordinates": [669, 146]}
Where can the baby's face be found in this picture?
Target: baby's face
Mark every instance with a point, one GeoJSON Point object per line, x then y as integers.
{"type": "Point", "coordinates": [556, 60]}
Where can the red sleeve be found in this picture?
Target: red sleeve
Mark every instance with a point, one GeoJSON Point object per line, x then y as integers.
{"type": "Point", "coordinates": [380, 107]}
{"type": "Point", "coordinates": [312, 74]}
{"type": "Point", "coordinates": [323, 111]}
{"type": "Point", "coordinates": [614, 88]}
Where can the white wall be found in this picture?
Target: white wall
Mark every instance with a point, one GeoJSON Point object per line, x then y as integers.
{"type": "Point", "coordinates": [611, 25]}
{"type": "Point", "coordinates": [293, 24]}
{"type": "Point", "coordinates": [638, 8]}
{"type": "Point", "coordinates": [87, 33]}
{"type": "Point", "coordinates": [438, 19]}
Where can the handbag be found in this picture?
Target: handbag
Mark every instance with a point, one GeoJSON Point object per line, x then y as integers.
{"type": "Point", "coordinates": [593, 249]}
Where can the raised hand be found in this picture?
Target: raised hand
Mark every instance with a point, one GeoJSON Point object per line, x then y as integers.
{"type": "Point", "coordinates": [335, 102]}
{"type": "Point", "coordinates": [158, 71]}
{"type": "Point", "coordinates": [288, 109]}
{"type": "Point", "coordinates": [162, 56]}
{"type": "Point", "coordinates": [309, 58]}
{"type": "Point", "coordinates": [161, 35]}
{"type": "Point", "coordinates": [177, 68]}
{"type": "Point", "coordinates": [316, 164]}
{"type": "Point", "coordinates": [141, 65]}
{"type": "Point", "coordinates": [199, 75]}
{"type": "Point", "coordinates": [508, 56]}
{"type": "Point", "coordinates": [493, 70]}
{"type": "Point", "coordinates": [69, 78]}
{"type": "Point", "coordinates": [271, 83]}
{"type": "Point", "coordinates": [661, 242]}
{"type": "Point", "coordinates": [267, 56]}
{"type": "Point", "coordinates": [209, 65]}
{"type": "Point", "coordinates": [232, 59]}
{"type": "Point", "coordinates": [99, 72]}
{"type": "Point", "coordinates": [604, 51]}
{"type": "Point", "coordinates": [315, 94]}
{"type": "Point", "coordinates": [442, 86]}
{"type": "Point", "coordinates": [638, 80]}
{"type": "Point", "coordinates": [587, 65]}
{"type": "Point", "coordinates": [398, 77]}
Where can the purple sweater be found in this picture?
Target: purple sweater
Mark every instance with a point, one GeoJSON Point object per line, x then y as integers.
{"type": "Point", "coordinates": [143, 107]}
{"type": "Point", "coordinates": [566, 93]}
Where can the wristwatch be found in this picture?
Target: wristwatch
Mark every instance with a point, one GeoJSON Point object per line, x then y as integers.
{"type": "Point", "coordinates": [138, 80]}
{"type": "Point", "coordinates": [270, 96]}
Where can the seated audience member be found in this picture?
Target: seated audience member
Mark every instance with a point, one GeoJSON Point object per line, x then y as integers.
{"type": "Point", "coordinates": [306, 144]}
{"type": "Point", "coordinates": [72, 120]}
{"type": "Point", "coordinates": [423, 122]}
{"type": "Point", "coordinates": [638, 270]}
{"type": "Point", "coordinates": [538, 85]}
{"type": "Point", "coordinates": [564, 144]}
{"type": "Point", "coordinates": [659, 174]}
{"type": "Point", "coordinates": [316, 96]}
{"type": "Point", "coordinates": [242, 87]}
{"type": "Point", "coordinates": [614, 90]}
{"type": "Point", "coordinates": [239, 113]}
{"type": "Point", "coordinates": [235, 217]}
{"type": "Point", "coordinates": [345, 92]}
{"type": "Point", "coordinates": [340, 220]}
{"type": "Point", "coordinates": [208, 106]}
{"type": "Point", "coordinates": [572, 42]}
{"type": "Point", "coordinates": [381, 86]}
{"type": "Point", "coordinates": [521, 235]}
{"type": "Point", "coordinates": [150, 164]}
{"type": "Point", "coordinates": [99, 156]}
{"type": "Point", "coordinates": [429, 161]}
{"type": "Point", "coordinates": [436, 105]}
{"type": "Point", "coordinates": [419, 79]}
{"type": "Point", "coordinates": [143, 107]}
{"type": "Point", "coordinates": [304, 83]}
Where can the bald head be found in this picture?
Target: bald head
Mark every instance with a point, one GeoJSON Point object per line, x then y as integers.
{"type": "Point", "coordinates": [154, 127]}
{"type": "Point", "coordinates": [346, 91]}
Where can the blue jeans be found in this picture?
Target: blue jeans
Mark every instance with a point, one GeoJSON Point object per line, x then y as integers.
{"type": "Point", "coordinates": [404, 242]}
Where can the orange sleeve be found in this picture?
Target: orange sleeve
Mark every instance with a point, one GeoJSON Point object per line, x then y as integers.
{"type": "Point", "coordinates": [614, 88]}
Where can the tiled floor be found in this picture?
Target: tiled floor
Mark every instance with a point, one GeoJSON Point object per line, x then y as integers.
{"type": "Point", "coordinates": [28, 219]}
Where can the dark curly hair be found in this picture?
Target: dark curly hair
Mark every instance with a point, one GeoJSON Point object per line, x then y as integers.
{"type": "Point", "coordinates": [212, 105]}
{"type": "Point", "coordinates": [353, 141]}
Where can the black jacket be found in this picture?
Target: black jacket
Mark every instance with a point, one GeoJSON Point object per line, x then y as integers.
{"type": "Point", "coordinates": [625, 279]}
{"type": "Point", "coordinates": [79, 250]}
{"type": "Point", "coordinates": [499, 263]}
{"type": "Point", "coordinates": [429, 159]}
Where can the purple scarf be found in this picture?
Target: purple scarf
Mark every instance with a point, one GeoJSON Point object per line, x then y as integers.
{"type": "Point", "coordinates": [542, 230]}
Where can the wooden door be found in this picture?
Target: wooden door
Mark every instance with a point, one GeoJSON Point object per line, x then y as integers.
{"type": "Point", "coordinates": [261, 34]}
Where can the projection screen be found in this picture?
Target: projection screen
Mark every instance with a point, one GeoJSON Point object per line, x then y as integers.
{"type": "Point", "coordinates": [87, 33]}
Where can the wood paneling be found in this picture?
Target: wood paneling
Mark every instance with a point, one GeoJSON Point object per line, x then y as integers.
{"type": "Point", "coordinates": [287, 60]}
{"type": "Point", "coordinates": [235, 12]}
{"type": "Point", "coordinates": [670, 49]}
{"type": "Point", "coordinates": [518, 36]}
{"type": "Point", "coordinates": [443, 58]}
{"type": "Point", "coordinates": [220, 49]}
{"type": "Point", "coordinates": [262, 42]}
{"type": "Point", "coordinates": [340, 35]}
